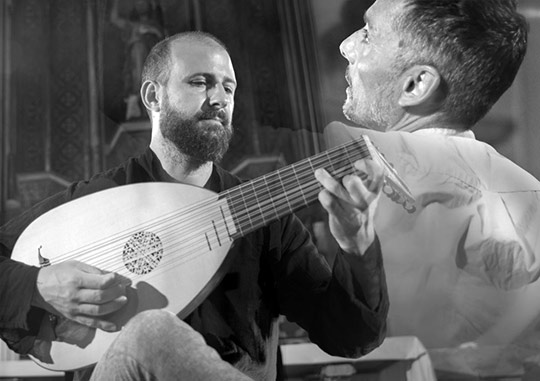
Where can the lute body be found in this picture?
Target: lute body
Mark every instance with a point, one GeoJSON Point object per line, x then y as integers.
{"type": "Point", "coordinates": [123, 230]}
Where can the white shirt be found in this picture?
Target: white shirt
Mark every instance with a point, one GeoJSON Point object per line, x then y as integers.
{"type": "Point", "coordinates": [457, 265]}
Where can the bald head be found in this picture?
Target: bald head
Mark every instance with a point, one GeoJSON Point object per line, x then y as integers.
{"type": "Point", "coordinates": [158, 63]}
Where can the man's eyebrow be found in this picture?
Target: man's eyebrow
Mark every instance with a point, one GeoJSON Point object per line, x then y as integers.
{"type": "Point", "coordinates": [210, 75]}
{"type": "Point", "coordinates": [230, 80]}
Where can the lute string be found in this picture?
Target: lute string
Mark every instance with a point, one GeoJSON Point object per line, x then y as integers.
{"type": "Point", "coordinates": [283, 181]}
{"type": "Point", "coordinates": [314, 185]}
{"type": "Point", "coordinates": [188, 248]}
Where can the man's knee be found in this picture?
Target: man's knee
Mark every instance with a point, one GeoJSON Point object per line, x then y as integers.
{"type": "Point", "coordinates": [156, 329]}
{"type": "Point", "coordinates": [150, 324]}
{"type": "Point", "coordinates": [146, 321]}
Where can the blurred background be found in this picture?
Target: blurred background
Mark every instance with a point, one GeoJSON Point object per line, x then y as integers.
{"type": "Point", "coordinates": [69, 103]}
{"type": "Point", "coordinates": [69, 84]}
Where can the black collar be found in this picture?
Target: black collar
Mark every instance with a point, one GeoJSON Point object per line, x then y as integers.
{"type": "Point", "coordinates": [219, 179]}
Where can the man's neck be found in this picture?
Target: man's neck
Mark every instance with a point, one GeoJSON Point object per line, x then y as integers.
{"type": "Point", "coordinates": [411, 123]}
{"type": "Point", "coordinates": [181, 167]}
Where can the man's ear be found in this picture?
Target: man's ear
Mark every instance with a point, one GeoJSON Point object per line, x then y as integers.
{"type": "Point", "coordinates": [150, 95]}
{"type": "Point", "coordinates": [422, 85]}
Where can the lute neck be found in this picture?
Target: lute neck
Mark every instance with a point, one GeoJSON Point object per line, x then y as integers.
{"type": "Point", "coordinates": [265, 199]}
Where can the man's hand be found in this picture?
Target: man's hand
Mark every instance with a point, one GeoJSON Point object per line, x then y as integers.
{"type": "Point", "coordinates": [81, 293]}
{"type": "Point", "coordinates": [351, 204]}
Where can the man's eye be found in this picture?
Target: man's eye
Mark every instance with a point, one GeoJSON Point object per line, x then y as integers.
{"type": "Point", "coordinates": [229, 90]}
{"type": "Point", "coordinates": [198, 83]}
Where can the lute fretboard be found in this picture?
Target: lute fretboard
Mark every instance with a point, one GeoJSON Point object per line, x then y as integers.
{"type": "Point", "coordinates": [267, 198]}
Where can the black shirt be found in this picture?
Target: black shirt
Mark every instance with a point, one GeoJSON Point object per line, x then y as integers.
{"type": "Point", "coordinates": [276, 270]}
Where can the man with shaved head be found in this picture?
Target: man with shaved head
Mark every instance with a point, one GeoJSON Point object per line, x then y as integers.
{"type": "Point", "coordinates": [188, 89]}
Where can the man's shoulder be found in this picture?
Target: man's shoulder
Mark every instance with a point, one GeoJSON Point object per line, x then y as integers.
{"type": "Point", "coordinates": [226, 179]}
{"type": "Point", "coordinates": [129, 172]}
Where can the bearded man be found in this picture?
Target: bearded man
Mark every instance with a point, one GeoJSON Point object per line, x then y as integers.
{"type": "Point", "coordinates": [188, 89]}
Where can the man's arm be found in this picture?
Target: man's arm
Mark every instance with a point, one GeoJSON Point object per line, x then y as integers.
{"type": "Point", "coordinates": [70, 289]}
{"type": "Point", "coordinates": [343, 308]}
{"type": "Point", "coordinates": [18, 280]}
{"type": "Point", "coordinates": [17, 283]}
{"type": "Point", "coordinates": [351, 207]}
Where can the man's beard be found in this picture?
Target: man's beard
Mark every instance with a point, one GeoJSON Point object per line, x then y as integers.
{"type": "Point", "coordinates": [374, 113]}
{"type": "Point", "coordinates": [366, 115]}
{"type": "Point", "coordinates": [200, 142]}
{"type": "Point", "coordinates": [372, 108]}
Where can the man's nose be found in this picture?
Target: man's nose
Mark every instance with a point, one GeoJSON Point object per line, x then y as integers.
{"type": "Point", "coordinates": [218, 96]}
{"type": "Point", "coordinates": [347, 47]}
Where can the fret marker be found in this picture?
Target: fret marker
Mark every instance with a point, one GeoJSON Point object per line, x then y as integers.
{"type": "Point", "coordinates": [225, 221]}
{"type": "Point", "coordinates": [217, 234]}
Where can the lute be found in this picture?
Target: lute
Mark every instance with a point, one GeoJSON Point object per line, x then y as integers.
{"type": "Point", "coordinates": [170, 240]}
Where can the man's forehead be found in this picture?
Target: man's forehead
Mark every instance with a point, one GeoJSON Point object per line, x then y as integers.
{"type": "Point", "coordinates": [384, 8]}
{"type": "Point", "coordinates": [187, 45]}
{"type": "Point", "coordinates": [191, 57]}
